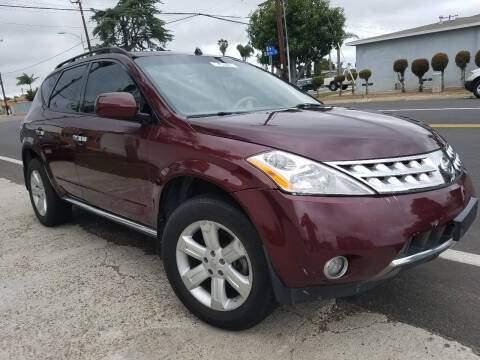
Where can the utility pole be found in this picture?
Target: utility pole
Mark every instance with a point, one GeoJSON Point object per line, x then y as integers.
{"type": "Point", "coordinates": [79, 2]}
{"type": "Point", "coordinates": [281, 41]}
{"type": "Point", "coordinates": [288, 46]}
{"type": "Point", "coordinates": [4, 97]}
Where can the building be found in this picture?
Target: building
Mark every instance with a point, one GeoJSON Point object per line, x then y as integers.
{"type": "Point", "coordinates": [449, 36]}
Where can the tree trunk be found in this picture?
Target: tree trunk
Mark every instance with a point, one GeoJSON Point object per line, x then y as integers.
{"type": "Point", "coordinates": [330, 61]}
{"type": "Point", "coordinates": [366, 87]}
{"type": "Point", "coordinates": [341, 86]}
{"type": "Point", "coordinates": [443, 81]}
{"type": "Point", "coordinates": [462, 77]}
{"type": "Point", "coordinates": [338, 61]}
{"type": "Point", "coordinates": [420, 82]}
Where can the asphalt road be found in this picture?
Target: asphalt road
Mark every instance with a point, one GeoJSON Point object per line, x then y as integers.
{"type": "Point", "coordinates": [442, 296]}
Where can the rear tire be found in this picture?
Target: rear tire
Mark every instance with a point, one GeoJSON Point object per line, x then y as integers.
{"type": "Point", "coordinates": [476, 88]}
{"type": "Point", "coordinates": [230, 287]}
{"type": "Point", "coordinates": [47, 205]}
{"type": "Point", "coordinates": [333, 86]}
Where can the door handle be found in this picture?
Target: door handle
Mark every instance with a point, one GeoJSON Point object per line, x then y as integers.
{"type": "Point", "coordinates": [79, 138]}
{"type": "Point", "coordinates": [39, 132]}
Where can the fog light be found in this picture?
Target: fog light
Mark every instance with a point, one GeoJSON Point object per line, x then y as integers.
{"type": "Point", "coordinates": [336, 267]}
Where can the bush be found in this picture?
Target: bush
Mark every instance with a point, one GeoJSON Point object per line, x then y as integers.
{"type": "Point", "coordinates": [439, 62]}
{"type": "Point", "coordinates": [30, 95]}
{"type": "Point", "coordinates": [419, 68]}
{"type": "Point", "coordinates": [462, 59]}
{"type": "Point", "coordinates": [339, 79]}
{"type": "Point", "coordinates": [354, 75]}
{"type": "Point", "coordinates": [477, 58]}
{"type": "Point", "coordinates": [400, 65]}
{"type": "Point", "coordinates": [365, 74]}
{"type": "Point", "coordinates": [317, 81]}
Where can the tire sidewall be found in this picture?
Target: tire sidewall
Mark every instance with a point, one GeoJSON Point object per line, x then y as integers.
{"type": "Point", "coordinates": [213, 210]}
{"type": "Point", "coordinates": [476, 86]}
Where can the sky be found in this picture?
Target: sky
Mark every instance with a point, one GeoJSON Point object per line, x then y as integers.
{"type": "Point", "coordinates": [29, 37]}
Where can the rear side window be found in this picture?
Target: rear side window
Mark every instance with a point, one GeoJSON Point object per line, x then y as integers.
{"type": "Point", "coordinates": [66, 96]}
{"type": "Point", "coordinates": [47, 87]}
{"type": "Point", "coordinates": [108, 76]}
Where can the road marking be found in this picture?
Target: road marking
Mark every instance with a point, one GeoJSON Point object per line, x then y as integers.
{"type": "Point", "coordinates": [455, 125]}
{"type": "Point", "coordinates": [431, 109]}
{"type": "Point", "coordinates": [461, 257]}
{"type": "Point", "coordinates": [13, 161]}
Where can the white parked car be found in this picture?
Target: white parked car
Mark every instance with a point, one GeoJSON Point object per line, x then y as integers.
{"type": "Point", "coordinates": [472, 82]}
{"type": "Point", "coordinates": [333, 85]}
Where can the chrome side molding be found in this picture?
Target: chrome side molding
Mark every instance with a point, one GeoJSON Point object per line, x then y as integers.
{"type": "Point", "coordinates": [118, 219]}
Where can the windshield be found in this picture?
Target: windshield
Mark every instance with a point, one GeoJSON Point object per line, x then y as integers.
{"type": "Point", "coordinates": [204, 85]}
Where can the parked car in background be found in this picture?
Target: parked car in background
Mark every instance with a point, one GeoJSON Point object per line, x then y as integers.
{"type": "Point", "coordinates": [305, 84]}
{"type": "Point", "coordinates": [333, 85]}
{"type": "Point", "coordinates": [256, 193]}
{"type": "Point", "coordinates": [472, 82]}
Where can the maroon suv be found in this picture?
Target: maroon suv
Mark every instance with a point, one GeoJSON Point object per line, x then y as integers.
{"type": "Point", "coordinates": [257, 193]}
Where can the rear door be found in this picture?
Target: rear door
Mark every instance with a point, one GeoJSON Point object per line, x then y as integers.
{"type": "Point", "coordinates": [61, 116]}
{"type": "Point", "coordinates": [112, 154]}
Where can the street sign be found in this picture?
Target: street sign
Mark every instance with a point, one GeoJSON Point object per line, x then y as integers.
{"type": "Point", "coordinates": [271, 51]}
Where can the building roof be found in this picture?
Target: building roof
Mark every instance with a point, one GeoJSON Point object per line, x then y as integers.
{"type": "Point", "coordinates": [447, 25]}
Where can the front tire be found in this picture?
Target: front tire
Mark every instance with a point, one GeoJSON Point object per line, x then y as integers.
{"type": "Point", "coordinates": [215, 263]}
{"type": "Point", "coordinates": [476, 89]}
{"type": "Point", "coordinates": [47, 205]}
{"type": "Point", "coordinates": [333, 86]}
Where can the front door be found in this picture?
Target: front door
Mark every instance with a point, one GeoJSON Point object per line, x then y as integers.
{"type": "Point", "coordinates": [112, 154]}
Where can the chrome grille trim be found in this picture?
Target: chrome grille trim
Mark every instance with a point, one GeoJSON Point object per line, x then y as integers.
{"type": "Point", "coordinates": [403, 174]}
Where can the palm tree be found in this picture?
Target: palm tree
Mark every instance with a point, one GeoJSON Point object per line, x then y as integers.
{"type": "Point", "coordinates": [339, 40]}
{"type": "Point", "coordinates": [24, 79]}
{"type": "Point", "coordinates": [245, 51]}
{"type": "Point", "coordinates": [223, 45]}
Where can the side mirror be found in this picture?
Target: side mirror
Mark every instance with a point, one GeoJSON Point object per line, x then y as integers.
{"type": "Point", "coordinates": [116, 104]}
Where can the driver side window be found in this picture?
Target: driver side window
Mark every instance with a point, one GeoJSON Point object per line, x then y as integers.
{"type": "Point", "coordinates": [109, 76]}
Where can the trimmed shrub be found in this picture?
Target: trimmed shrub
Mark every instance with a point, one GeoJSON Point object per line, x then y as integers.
{"type": "Point", "coordinates": [419, 68]}
{"type": "Point", "coordinates": [317, 82]}
{"type": "Point", "coordinates": [365, 74]}
{"type": "Point", "coordinates": [439, 63]}
{"type": "Point", "coordinates": [462, 59]}
{"type": "Point", "coordinates": [339, 79]}
{"type": "Point", "coordinates": [400, 66]}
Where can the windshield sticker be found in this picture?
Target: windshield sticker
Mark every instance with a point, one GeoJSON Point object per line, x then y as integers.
{"type": "Point", "coordinates": [220, 64]}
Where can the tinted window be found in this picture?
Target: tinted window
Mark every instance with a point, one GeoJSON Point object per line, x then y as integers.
{"type": "Point", "coordinates": [66, 96]}
{"type": "Point", "coordinates": [47, 87]}
{"type": "Point", "coordinates": [105, 77]}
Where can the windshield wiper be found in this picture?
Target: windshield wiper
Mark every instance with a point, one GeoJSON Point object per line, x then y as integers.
{"type": "Point", "coordinates": [220, 113]}
{"type": "Point", "coordinates": [310, 106]}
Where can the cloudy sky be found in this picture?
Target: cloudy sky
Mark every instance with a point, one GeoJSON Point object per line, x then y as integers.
{"type": "Point", "coordinates": [31, 36]}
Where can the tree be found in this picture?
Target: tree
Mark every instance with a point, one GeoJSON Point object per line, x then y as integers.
{"type": "Point", "coordinates": [311, 28]}
{"type": "Point", "coordinates": [24, 79]}
{"type": "Point", "coordinates": [365, 74]}
{"type": "Point", "coordinates": [477, 58]}
{"type": "Point", "coordinates": [462, 59]}
{"type": "Point", "coordinates": [339, 79]}
{"type": "Point", "coordinates": [317, 82]}
{"type": "Point", "coordinates": [439, 63]}
{"type": "Point", "coordinates": [245, 51]}
{"type": "Point", "coordinates": [400, 66]}
{"type": "Point", "coordinates": [419, 68]}
{"type": "Point", "coordinates": [131, 25]}
{"type": "Point", "coordinates": [223, 45]}
{"type": "Point", "coordinates": [352, 77]}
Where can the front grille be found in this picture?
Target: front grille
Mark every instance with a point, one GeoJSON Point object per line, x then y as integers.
{"type": "Point", "coordinates": [402, 174]}
{"type": "Point", "coordinates": [427, 240]}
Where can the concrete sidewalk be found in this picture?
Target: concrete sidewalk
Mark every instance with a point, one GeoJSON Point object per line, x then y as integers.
{"type": "Point", "coordinates": [70, 294]}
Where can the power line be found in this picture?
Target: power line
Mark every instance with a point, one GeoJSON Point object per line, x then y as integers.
{"type": "Point", "coordinates": [43, 61]}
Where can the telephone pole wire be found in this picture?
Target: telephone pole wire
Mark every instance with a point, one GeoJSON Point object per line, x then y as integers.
{"type": "Point", "coordinates": [281, 41]}
{"type": "Point", "coordinates": [79, 2]}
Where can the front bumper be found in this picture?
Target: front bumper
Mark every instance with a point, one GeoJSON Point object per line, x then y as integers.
{"type": "Point", "coordinates": [301, 233]}
{"type": "Point", "coordinates": [469, 85]}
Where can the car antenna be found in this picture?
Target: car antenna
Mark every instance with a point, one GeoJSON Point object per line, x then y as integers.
{"type": "Point", "coordinates": [198, 52]}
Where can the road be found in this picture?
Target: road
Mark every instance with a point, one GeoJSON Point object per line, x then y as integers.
{"type": "Point", "coordinates": [441, 297]}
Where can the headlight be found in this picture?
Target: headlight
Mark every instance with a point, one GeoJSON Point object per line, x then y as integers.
{"type": "Point", "coordinates": [296, 174]}
{"type": "Point", "coordinates": [454, 158]}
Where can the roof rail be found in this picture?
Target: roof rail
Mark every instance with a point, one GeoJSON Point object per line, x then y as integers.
{"type": "Point", "coordinates": [113, 50]}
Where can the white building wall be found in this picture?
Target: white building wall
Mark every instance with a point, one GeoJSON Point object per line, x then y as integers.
{"type": "Point", "coordinates": [379, 56]}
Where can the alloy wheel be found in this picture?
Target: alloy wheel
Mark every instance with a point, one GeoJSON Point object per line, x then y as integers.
{"type": "Point", "coordinates": [214, 265]}
{"type": "Point", "coordinates": [38, 192]}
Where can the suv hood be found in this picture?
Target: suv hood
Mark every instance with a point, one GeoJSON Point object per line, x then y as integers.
{"type": "Point", "coordinates": [326, 134]}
